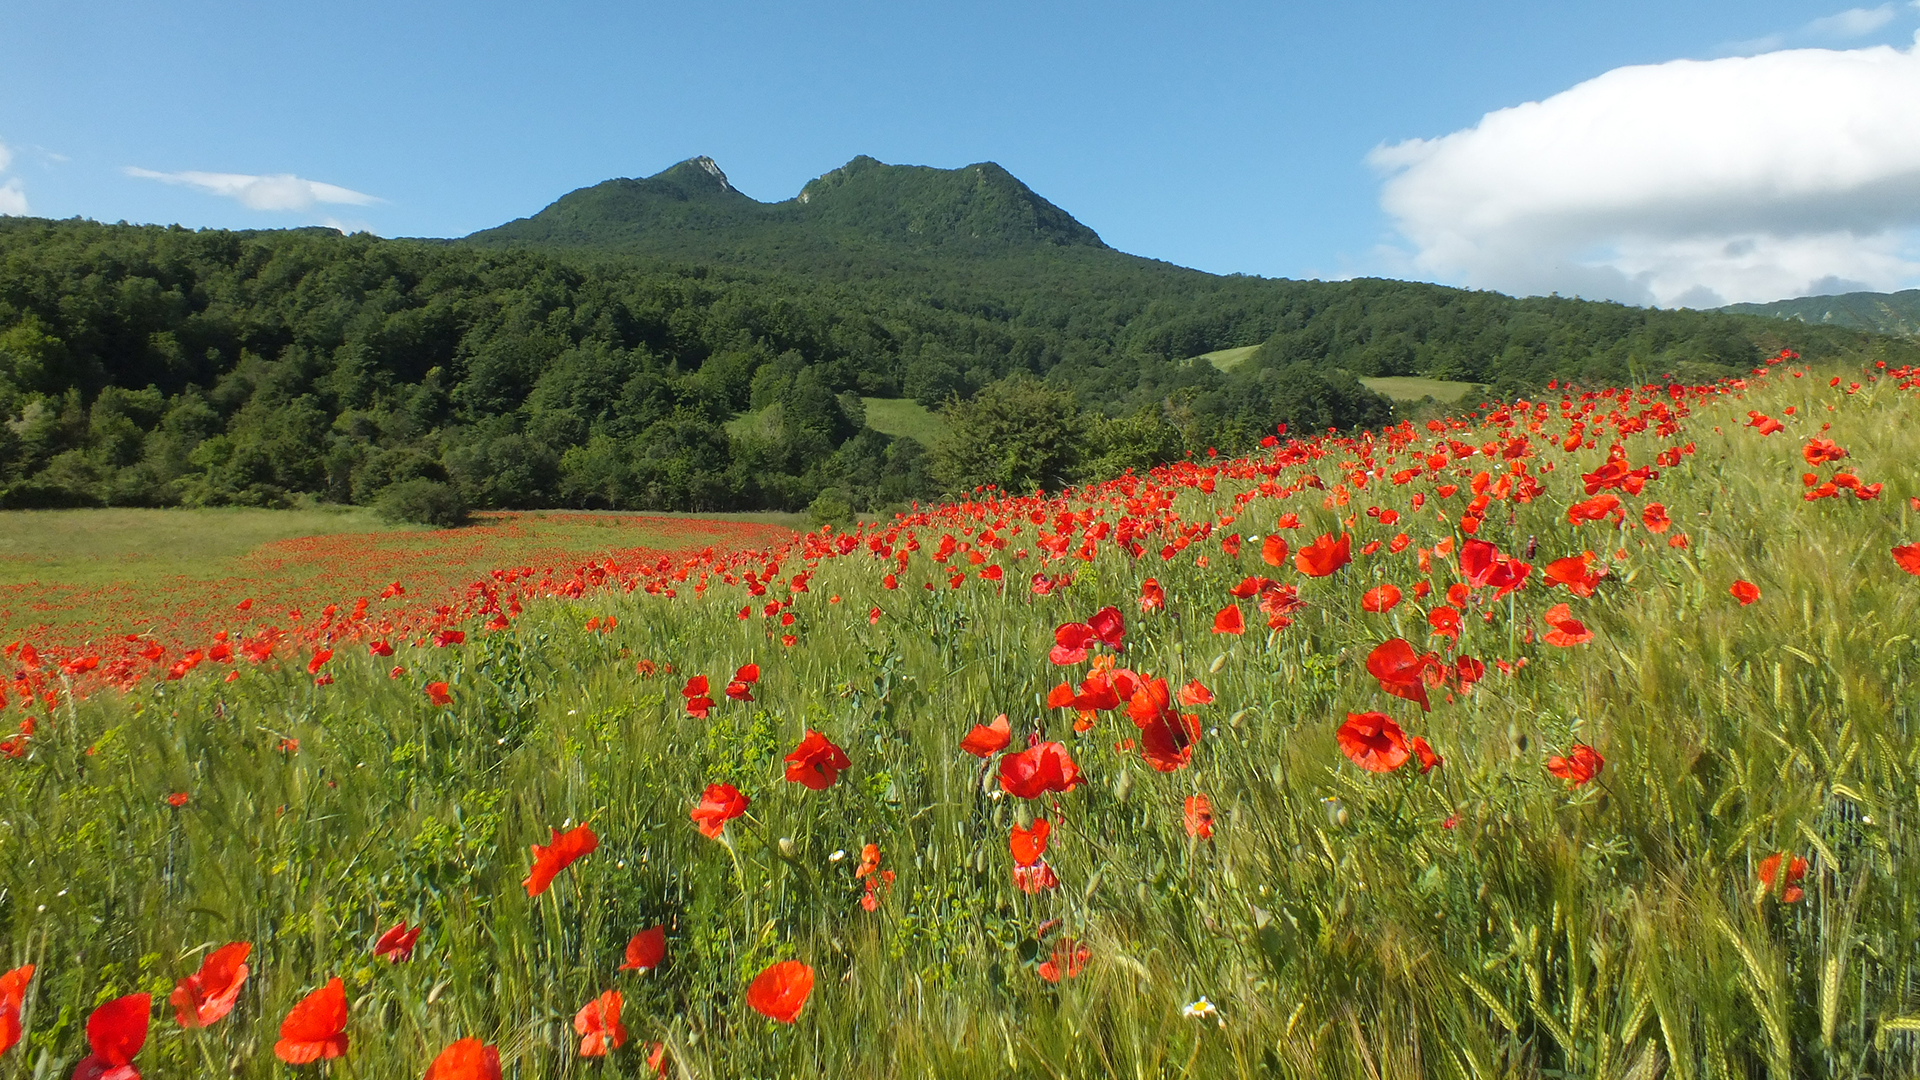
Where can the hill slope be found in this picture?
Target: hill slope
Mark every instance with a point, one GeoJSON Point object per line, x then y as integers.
{"type": "Point", "coordinates": [1881, 313]}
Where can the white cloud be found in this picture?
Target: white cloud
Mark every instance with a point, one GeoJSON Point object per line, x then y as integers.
{"type": "Point", "coordinates": [1853, 23]}
{"type": "Point", "coordinates": [281, 192]}
{"type": "Point", "coordinates": [1695, 182]}
{"type": "Point", "coordinates": [13, 197]}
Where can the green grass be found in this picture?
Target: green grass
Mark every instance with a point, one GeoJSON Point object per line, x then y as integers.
{"type": "Point", "coordinates": [1414, 388]}
{"type": "Point", "coordinates": [904, 418]}
{"type": "Point", "coordinates": [1481, 920]}
{"type": "Point", "coordinates": [92, 546]}
{"type": "Point", "coordinates": [1228, 359]}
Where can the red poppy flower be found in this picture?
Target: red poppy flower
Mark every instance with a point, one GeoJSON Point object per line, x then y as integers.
{"type": "Point", "coordinates": [1573, 572]}
{"type": "Point", "coordinates": [1152, 596]}
{"type": "Point", "coordinates": [1745, 591]}
{"type": "Point", "coordinates": [657, 1059]}
{"type": "Point", "coordinates": [646, 949]}
{"type": "Point", "coordinates": [319, 660]}
{"type": "Point", "coordinates": [1429, 760]}
{"type": "Point", "coordinates": [781, 991]}
{"type": "Point", "coordinates": [1195, 693]}
{"type": "Point", "coordinates": [1036, 879]}
{"type": "Point", "coordinates": [1070, 642]}
{"type": "Point", "coordinates": [599, 1027]}
{"type": "Point", "coordinates": [985, 740]}
{"type": "Point", "coordinates": [1273, 551]}
{"type": "Point", "coordinates": [1908, 558]}
{"type": "Point", "coordinates": [1594, 509]}
{"type": "Point", "coordinates": [1581, 764]}
{"type": "Point", "coordinates": [695, 693]}
{"type": "Point", "coordinates": [467, 1059]}
{"type": "Point", "coordinates": [1373, 741]}
{"type": "Point", "coordinates": [13, 995]}
{"type": "Point", "coordinates": [1400, 670]}
{"type": "Point", "coordinates": [1037, 770]}
{"type": "Point", "coordinates": [1229, 620]}
{"type": "Point", "coordinates": [397, 943]}
{"type": "Point", "coordinates": [1068, 959]}
{"type": "Point", "coordinates": [178, 799]}
{"type": "Point", "coordinates": [1166, 742]}
{"type": "Point", "coordinates": [816, 762]}
{"type": "Point", "coordinates": [1445, 622]}
{"type": "Point", "coordinates": [208, 994]}
{"type": "Point", "coordinates": [1028, 845]}
{"type": "Point", "coordinates": [719, 804]}
{"type": "Point", "coordinates": [559, 853]}
{"type": "Point", "coordinates": [1324, 556]}
{"type": "Point", "coordinates": [437, 693]}
{"type": "Point", "coordinates": [316, 1027]}
{"type": "Point", "coordinates": [1108, 626]}
{"type": "Point", "coordinates": [115, 1033]}
{"type": "Point", "coordinates": [1655, 518]}
{"type": "Point", "coordinates": [1380, 599]}
{"type": "Point", "coordinates": [1199, 817]}
{"type": "Point", "coordinates": [1791, 892]}
{"type": "Point", "coordinates": [1821, 451]}
{"type": "Point", "coordinates": [1567, 631]}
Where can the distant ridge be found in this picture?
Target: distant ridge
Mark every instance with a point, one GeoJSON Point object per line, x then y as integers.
{"type": "Point", "coordinates": [693, 209]}
{"type": "Point", "coordinates": [1885, 313]}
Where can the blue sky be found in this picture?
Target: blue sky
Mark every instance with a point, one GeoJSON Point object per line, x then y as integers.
{"type": "Point", "coordinates": [1233, 137]}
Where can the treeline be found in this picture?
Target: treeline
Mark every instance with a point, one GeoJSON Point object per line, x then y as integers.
{"type": "Point", "coordinates": [161, 366]}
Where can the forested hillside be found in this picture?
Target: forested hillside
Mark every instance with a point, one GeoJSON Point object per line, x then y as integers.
{"type": "Point", "coordinates": [592, 356]}
{"type": "Point", "coordinates": [1885, 313]}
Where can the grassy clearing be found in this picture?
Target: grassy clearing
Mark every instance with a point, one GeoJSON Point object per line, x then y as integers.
{"type": "Point", "coordinates": [70, 576]}
{"type": "Point", "coordinates": [1228, 359]}
{"type": "Point", "coordinates": [1414, 388]}
{"type": "Point", "coordinates": [1484, 919]}
{"type": "Point", "coordinates": [904, 418]}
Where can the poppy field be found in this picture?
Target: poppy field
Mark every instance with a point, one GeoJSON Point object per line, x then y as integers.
{"type": "Point", "coordinates": [1569, 737]}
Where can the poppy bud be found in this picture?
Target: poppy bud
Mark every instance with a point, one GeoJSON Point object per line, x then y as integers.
{"type": "Point", "coordinates": [787, 846]}
{"type": "Point", "coordinates": [1123, 786]}
{"type": "Point", "coordinates": [1218, 663]}
{"type": "Point", "coordinates": [1234, 720]}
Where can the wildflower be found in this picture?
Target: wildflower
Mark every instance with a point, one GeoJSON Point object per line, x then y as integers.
{"type": "Point", "coordinates": [1273, 551]}
{"type": "Point", "coordinates": [437, 693]}
{"type": "Point", "coordinates": [1152, 596]}
{"type": "Point", "coordinates": [13, 994]}
{"type": "Point", "coordinates": [315, 1027]}
{"type": "Point", "coordinates": [115, 1033]}
{"type": "Point", "coordinates": [1229, 620]}
{"type": "Point", "coordinates": [1429, 760]}
{"type": "Point", "coordinates": [466, 1059]}
{"type": "Point", "coordinates": [1769, 870]}
{"type": "Point", "coordinates": [559, 853]}
{"type": "Point", "coordinates": [1029, 844]}
{"type": "Point", "coordinates": [1035, 879]}
{"type": "Point", "coordinates": [178, 799]}
{"type": "Point", "coordinates": [1908, 558]}
{"type": "Point", "coordinates": [208, 994]}
{"type": "Point", "coordinates": [1037, 770]}
{"type": "Point", "coordinates": [719, 804]}
{"type": "Point", "coordinates": [397, 943]}
{"type": "Point", "coordinates": [598, 1024]}
{"type": "Point", "coordinates": [1069, 959]}
{"type": "Point", "coordinates": [1198, 814]}
{"type": "Point", "coordinates": [781, 991]}
{"type": "Point", "coordinates": [1581, 764]}
{"type": "Point", "coordinates": [1373, 741]}
{"type": "Point", "coordinates": [1400, 670]}
{"type": "Point", "coordinates": [1380, 599]}
{"type": "Point", "coordinates": [987, 739]}
{"type": "Point", "coordinates": [646, 949]}
{"type": "Point", "coordinates": [1200, 1010]}
{"type": "Point", "coordinates": [816, 763]}
{"type": "Point", "coordinates": [1745, 591]}
{"type": "Point", "coordinates": [1567, 631]}
{"type": "Point", "coordinates": [695, 693]}
{"type": "Point", "coordinates": [1324, 556]}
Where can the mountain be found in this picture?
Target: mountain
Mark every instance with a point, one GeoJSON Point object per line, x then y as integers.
{"type": "Point", "coordinates": [693, 210]}
{"type": "Point", "coordinates": [1881, 313]}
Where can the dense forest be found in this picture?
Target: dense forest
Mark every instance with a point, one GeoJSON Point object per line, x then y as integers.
{"type": "Point", "coordinates": [541, 367]}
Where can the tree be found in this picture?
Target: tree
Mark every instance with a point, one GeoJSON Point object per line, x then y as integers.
{"type": "Point", "coordinates": [1017, 434]}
